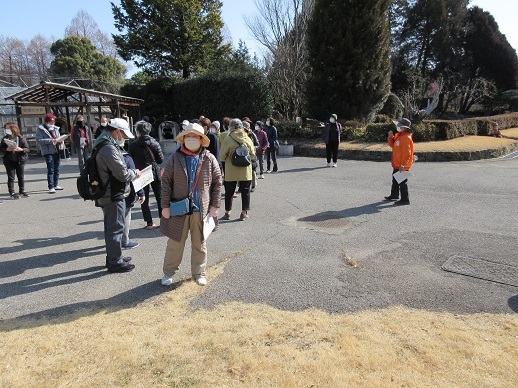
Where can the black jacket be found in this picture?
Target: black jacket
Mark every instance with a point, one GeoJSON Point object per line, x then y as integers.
{"type": "Point", "coordinates": [20, 156]}
{"type": "Point", "coordinates": [146, 151]}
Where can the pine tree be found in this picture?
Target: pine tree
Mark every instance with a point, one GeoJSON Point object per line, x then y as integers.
{"type": "Point", "coordinates": [349, 56]}
{"type": "Point", "coordinates": [490, 53]}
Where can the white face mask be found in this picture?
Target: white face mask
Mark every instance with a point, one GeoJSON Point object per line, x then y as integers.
{"type": "Point", "coordinates": [399, 129]}
{"type": "Point", "coordinates": [8, 132]}
{"type": "Point", "coordinates": [120, 142]}
{"type": "Point", "coordinates": [268, 122]}
{"type": "Point", "coordinates": [332, 120]}
{"type": "Point", "coordinates": [257, 127]}
{"type": "Point", "coordinates": [192, 144]}
{"type": "Point", "coordinates": [104, 124]}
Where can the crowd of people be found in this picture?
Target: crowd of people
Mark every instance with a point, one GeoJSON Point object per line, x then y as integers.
{"type": "Point", "coordinates": [210, 156]}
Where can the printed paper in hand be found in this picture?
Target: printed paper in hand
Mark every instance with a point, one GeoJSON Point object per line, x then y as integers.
{"type": "Point", "coordinates": [10, 143]}
{"type": "Point", "coordinates": [208, 226]}
{"type": "Point", "coordinates": [145, 179]}
{"type": "Point", "coordinates": [61, 138]}
{"type": "Point", "coordinates": [401, 176]}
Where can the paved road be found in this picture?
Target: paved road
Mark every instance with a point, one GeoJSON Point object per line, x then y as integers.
{"type": "Point", "coordinates": [317, 237]}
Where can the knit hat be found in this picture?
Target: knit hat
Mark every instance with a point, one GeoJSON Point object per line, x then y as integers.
{"type": "Point", "coordinates": [196, 129]}
{"type": "Point", "coordinates": [49, 117]}
{"type": "Point", "coordinates": [335, 116]}
{"type": "Point", "coordinates": [123, 126]}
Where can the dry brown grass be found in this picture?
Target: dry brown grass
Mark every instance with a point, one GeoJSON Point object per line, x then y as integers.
{"type": "Point", "coordinates": [466, 143]}
{"type": "Point", "coordinates": [167, 343]}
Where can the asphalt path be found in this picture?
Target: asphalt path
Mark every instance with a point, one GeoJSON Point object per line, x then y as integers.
{"type": "Point", "coordinates": [317, 237]}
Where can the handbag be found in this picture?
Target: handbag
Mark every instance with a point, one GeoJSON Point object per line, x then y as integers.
{"type": "Point", "coordinates": [64, 154]}
{"type": "Point", "coordinates": [185, 206]}
{"type": "Point", "coordinates": [240, 157]}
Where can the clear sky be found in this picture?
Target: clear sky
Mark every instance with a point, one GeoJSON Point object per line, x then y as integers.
{"type": "Point", "coordinates": [24, 19]}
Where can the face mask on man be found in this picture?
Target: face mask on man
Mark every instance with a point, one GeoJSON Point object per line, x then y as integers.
{"type": "Point", "coordinates": [104, 124]}
{"type": "Point", "coordinates": [332, 120]}
{"type": "Point", "coordinates": [192, 144]}
{"type": "Point", "coordinates": [79, 123]}
{"type": "Point", "coordinates": [120, 142]}
{"type": "Point", "coordinates": [267, 122]}
{"type": "Point", "coordinates": [8, 132]}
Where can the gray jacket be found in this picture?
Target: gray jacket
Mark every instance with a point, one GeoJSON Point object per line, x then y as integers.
{"type": "Point", "coordinates": [44, 139]}
{"type": "Point", "coordinates": [112, 171]}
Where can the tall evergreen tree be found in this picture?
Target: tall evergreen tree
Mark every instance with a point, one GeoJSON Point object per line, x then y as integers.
{"type": "Point", "coordinates": [76, 57]}
{"type": "Point", "coordinates": [491, 55]}
{"type": "Point", "coordinates": [170, 36]}
{"type": "Point", "coordinates": [349, 56]}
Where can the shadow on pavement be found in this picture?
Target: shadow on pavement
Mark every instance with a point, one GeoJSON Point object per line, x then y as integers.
{"type": "Point", "coordinates": [513, 303]}
{"type": "Point", "coordinates": [16, 267]}
{"type": "Point", "coordinates": [371, 208]}
{"type": "Point", "coordinates": [296, 170]}
{"type": "Point", "coordinates": [62, 314]}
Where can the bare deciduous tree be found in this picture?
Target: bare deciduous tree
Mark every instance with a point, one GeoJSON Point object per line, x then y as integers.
{"type": "Point", "coordinates": [84, 25]}
{"type": "Point", "coordinates": [38, 50]}
{"type": "Point", "coordinates": [280, 26]}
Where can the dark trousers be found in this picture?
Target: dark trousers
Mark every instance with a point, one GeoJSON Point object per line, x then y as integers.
{"type": "Point", "coordinates": [396, 188]}
{"type": "Point", "coordinates": [156, 185]}
{"type": "Point", "coordinates": [332, 149]}
{"type": "Point", "coordinates": [271, 153]}
{"type": "Point", "coordinates": [244, 189]}
{"type": "Point", "coordinates": [114, 219]}
{"type": "Point", "coordinates": [53, 163]}
{"type": "Point", "coordinates": [14, 169]}
{"type": "Point", "coordinates": [82, 155]}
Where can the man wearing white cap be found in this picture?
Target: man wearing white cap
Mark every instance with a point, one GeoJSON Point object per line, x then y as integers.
{"type": "Point", "coordinates": [117, 177]}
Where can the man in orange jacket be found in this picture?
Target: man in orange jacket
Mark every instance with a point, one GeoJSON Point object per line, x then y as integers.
{"type": "Point", "coordinates": [402, 158]}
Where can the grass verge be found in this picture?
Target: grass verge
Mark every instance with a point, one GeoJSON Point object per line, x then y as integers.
{"type": "Point", "coordinates": [165, 342]}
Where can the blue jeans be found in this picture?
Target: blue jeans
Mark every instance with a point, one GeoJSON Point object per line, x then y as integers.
{"type": "Point", "coordinates": [53, 163]}
{"type": "Point", "coordinates": [114, 220]}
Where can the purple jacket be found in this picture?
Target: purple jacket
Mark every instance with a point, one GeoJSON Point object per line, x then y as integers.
{"type": "Point", "coordinates": [263, 141]}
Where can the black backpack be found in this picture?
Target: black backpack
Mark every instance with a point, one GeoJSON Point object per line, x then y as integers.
{"type": "Point", "coordinates": [89, 184]}
{"type": "Point", "coordinates": [240, 156]}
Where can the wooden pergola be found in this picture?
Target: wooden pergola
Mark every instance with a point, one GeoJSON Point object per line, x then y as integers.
{"type": "Point", "coordinates": [61, 99]}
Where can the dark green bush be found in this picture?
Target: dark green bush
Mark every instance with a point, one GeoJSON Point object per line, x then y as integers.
{"type": "Point", "coordinates": [392, 107]}
{"type": "Point", "coordinates": [293, 130]}
{"type": "Point", "coordinates": [424, 131]}
{"type": "Point", "coordinates": [377, 132]}
{"type": "Point", "coordinates": [381, 118]}
{"type": "Point", "coordinates": [352, 133]}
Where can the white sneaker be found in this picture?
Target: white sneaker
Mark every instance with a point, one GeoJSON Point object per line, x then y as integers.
{"type": "Point", "coordinates": [334, 164]}
{"type": "Point", "coordinates": [201, 280]}
{"type": "Point", "coordinates": [167, 280]}
{"type": "Point", "coordinates": [51, 191]}
{"type": "Point", "coordinates": [58, 188]}
{"type": "Point", "coordinates": [328, 164]}
{"type": "Point", "coordinates": [261, 176]}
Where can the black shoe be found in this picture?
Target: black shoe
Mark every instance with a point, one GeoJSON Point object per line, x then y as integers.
{"type": "Point", "coordinates": [120, 268]}
{"type": "Point", "coordinates": [14, 196]}
{"type": "Point", "coordinates": [402, 203]}
{"type": "Point", "coordinates": [125, 259]}
{"type": "Point", "coordinates": [24, 194]}
{"type": "Point", "coordinates": [390, 198]}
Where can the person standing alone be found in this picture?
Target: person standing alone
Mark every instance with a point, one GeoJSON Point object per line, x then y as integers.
{"type": "Point", "coordinates": [332, 132]}
{"type": "Point", "coordinates": [47, 137]}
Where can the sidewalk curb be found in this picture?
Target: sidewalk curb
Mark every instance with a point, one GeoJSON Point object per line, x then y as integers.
{"type": "Point", "coordinates": [384, 156]}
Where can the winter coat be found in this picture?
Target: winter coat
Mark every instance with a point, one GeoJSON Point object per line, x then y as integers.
{"type": "Point", "coordinates": [231, 142]}
{"type": "Point", "coordinates": [402, 149]}
{"type": "Point", "coordinates": [18, 156]}
{"type": "Point", "coordinates": [44, 139]}
{"type": "Point", "coordinates": [112, 170]}
{"type": "Point", "coordinates": [327, 130]}
{"type": "Point", "coordinates": [175, 183]}
{"type": "Point", "coordinates": [146, 151]}
{"type": "Point", "coordinates": [262, 138]}
{"type": "Point", "coordinates": [271, 132]}
{"type": "Point", "coordinates": [75, 136]}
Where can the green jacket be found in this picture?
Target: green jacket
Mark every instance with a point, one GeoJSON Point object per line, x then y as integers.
{"type": "Point", "coordinates": [229, 144]}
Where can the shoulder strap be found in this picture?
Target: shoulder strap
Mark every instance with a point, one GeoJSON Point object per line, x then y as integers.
{"type": "Point", "coordinates": [200, 161]}
{"type": "Point", "coordinates": [151, 152]}
{"type": "Point", "coordinates": [234, 139]}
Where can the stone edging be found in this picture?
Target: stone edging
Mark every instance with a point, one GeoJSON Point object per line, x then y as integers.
{"type": "Point", "coordinates": [384, 156]}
